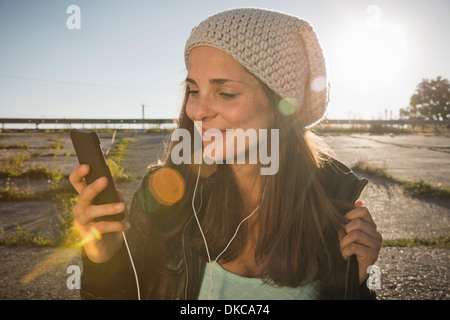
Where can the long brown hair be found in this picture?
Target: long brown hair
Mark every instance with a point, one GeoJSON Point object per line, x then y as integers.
{"type": "Point", "coordinates": [298, 224]}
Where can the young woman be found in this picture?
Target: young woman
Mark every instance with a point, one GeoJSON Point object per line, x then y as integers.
{"type": "Point", "coordinates": [221, 229]}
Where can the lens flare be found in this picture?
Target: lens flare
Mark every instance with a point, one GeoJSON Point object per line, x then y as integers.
{"type": "Point", "coordinates": [58, 257]}
{"type": "Point", "coordinates": [61, 255]}
{"type": "Point", "coordinates": [319, 84]}
{"type": "Point", "coordinates": [166, 185]}
{"type": "Point", "coordinates": [97, 235]}
{"type": "Point", "coordinates": [287, 106]}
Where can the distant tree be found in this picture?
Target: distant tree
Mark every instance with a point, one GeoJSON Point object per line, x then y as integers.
{"type": "Point", "coordinates": [431, 101]}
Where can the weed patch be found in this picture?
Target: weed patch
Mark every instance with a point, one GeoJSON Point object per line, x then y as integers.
{"type": "Point", "coordinates": [25, 238]}
{"type": "Point", "coordinates": [441, 242]}
{"type": "Point", "coordinates": [425, 189]}
{"type": "Point", "coordinates": [61, 193]}
{"type": "Point", "coordinates": [418, 188]}
{"type": "Point", "coordinates": [114, 158]}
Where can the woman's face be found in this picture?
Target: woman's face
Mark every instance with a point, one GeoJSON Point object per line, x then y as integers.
{"type": "Point", "coordinates": [224, 95]}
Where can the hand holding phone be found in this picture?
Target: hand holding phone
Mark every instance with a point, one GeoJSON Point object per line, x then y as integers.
{"type": "Point", "coordinates": [98, 200]}
{"type": "Point", "coordinates": [88, 149]}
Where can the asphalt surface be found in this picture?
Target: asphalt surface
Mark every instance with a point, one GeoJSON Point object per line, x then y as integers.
{"type": "Point", "coordinates": [416, 273]}
{"type": "Point", "coordinates": [406, 157]}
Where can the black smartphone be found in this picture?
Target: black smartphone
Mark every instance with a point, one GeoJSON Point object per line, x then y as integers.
{"type": "Point", "coordinates": [88, 149]}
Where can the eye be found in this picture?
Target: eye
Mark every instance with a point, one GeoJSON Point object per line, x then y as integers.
{"type": "Point", "coordinates": [194, 93]}
{"type": "Point", "coordinates": [228, 95]}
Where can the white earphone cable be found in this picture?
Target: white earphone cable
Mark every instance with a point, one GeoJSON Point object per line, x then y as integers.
{"type": "Point", "coordinates": [195, 215]}
{"type": "Point", "coordinates": [212, 264]}
{"type": "Point", "coordinates": [210, 296]}
{"type": "Point", "coordinates": [132, 264]}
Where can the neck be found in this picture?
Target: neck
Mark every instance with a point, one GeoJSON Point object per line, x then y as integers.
{"type": "Point", "coordinates": [249, 181]}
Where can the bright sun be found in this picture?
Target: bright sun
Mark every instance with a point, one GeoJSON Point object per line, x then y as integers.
{"type": "Point", "coordinates": [368, 59]}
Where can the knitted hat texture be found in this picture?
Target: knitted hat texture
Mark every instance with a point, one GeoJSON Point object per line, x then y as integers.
{"type": "Point", "coordinates": [281, 50]}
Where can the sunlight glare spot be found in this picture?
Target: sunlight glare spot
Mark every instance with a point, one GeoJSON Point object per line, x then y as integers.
{"type": "Point", "coordinates": [166, 185]}
{"type": "Point", "coordinates": [287, 106]}
{"type": "Point", "coordinates": [58, 257]}
{"type": "Point", "coordinates": [96, 233]}
{"type": "Point", "coordinates": [319, 83]}
{"type": "Point", "coordinates": [370, 59]}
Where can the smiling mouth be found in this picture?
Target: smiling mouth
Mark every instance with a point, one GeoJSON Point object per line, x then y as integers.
{"type": "Point", "coordinates": [212, 133]}
{"type": "Point", "coordinates": [208, 133]}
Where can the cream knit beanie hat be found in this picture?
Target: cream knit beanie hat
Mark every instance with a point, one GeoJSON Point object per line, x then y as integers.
{"type": "Point", "coordinates": [281, 50]}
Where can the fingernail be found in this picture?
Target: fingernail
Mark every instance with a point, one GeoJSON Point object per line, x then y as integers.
{"type": "Point", "coordinates": [119, 206]}
{"type": "Point", "coordinates": [127, 225]}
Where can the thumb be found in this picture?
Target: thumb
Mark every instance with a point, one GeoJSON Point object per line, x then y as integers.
{"type": "Point", "coordinates": [359, 203]}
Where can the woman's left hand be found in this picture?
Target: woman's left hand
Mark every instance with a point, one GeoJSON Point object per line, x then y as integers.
{"type": "Point", "coordinates": [361, 238]}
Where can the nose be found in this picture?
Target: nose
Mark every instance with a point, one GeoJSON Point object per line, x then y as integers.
{"type": "Point", "coordinates": [200, 108]}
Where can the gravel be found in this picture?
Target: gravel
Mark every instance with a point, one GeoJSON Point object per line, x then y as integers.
{"type": "Point", "coordinates": [415, 273]}
{"type": "Point", "coordinates": [407, 273]}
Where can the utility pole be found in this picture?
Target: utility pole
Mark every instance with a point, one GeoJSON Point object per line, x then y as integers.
{"type": "Point", "coordinates": [143, 117]}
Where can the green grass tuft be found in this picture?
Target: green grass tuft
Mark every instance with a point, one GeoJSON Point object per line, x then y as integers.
{"type": "Point", "coordinates": [418, 188]}
{"type": "Point", "coordinates": [441, 242]}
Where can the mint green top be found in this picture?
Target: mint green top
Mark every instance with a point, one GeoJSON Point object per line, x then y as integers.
{"type": "Point", "coordinates": [230, 286]}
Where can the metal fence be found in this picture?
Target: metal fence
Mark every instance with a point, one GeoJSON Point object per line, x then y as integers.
{"type": "Point", "coordinates": [71, 123]}
{"type": "Point", "coordinates": [388, 122]}
{"type": "Point", "coordinates": [159, 123]}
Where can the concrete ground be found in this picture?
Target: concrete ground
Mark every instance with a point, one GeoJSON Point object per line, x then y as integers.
{"type": "Point", "coordinates": [406, 157]}
{"type": "Point", "coordinates": [419, 273]}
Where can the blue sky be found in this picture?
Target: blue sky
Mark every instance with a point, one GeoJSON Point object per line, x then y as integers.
{"type": "Point", "coordinates": [129, 53]}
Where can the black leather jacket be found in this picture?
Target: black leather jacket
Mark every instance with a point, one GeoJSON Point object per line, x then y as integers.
{"type": "Point", "coordinates": [181, 273]}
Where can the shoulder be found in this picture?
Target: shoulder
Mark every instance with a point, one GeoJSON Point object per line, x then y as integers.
{"type": "Point", "coordinates": [339, 181]}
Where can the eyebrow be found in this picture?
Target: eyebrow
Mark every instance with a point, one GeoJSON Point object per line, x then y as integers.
{"type": "Point", "coordinates": [214, 81]}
